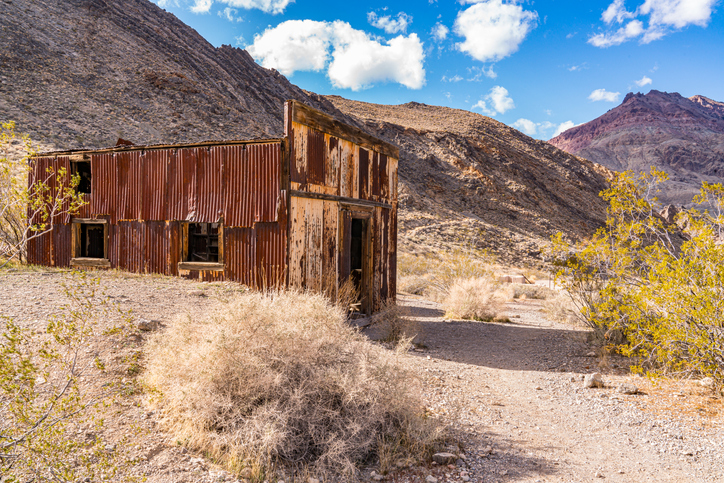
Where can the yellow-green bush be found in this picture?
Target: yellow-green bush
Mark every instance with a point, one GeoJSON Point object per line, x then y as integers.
{"type": "Point", "coordinates": [655, 291]}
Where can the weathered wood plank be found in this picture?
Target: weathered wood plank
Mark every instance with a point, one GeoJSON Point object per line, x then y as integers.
{"type": "Point", "coordinates": [340, 199]}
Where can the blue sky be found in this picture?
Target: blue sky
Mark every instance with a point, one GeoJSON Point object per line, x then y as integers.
{"type": "Point", "coordinates": [540, 66]}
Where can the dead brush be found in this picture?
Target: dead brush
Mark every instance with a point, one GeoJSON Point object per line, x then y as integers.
{"type": "Point", "coordinates": [473, 299]}
{"type": "Point", "coordinates": [397, 326]}
{"type": "Point", "coordinates": [280, 380]}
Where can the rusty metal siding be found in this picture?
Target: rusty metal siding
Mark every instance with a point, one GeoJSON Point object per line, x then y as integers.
{"type": "Point", "coordinates": [131, 241]}
{"type": "Point", "coordinates": [315, 157]}
{"type": "Point", "coordinates": [156, 247]}
{"type": "Point", "coordinates": [252, 182]}
{"type": "Point", "coordinates": [209, 185]}
{"type": "Point", "coordinates": [39, 250]}
{"type": "Point", "coordinates": [130, 185]}
{"type": "Point", "coordinates": [240, 255]}
{"type": "Point", "coordinates": [104, 185]}
{"type": "Point", "coordinates": [173, 234]}
{"type": "Point", "coordinates": [62, 245]}
{"type": "Point", "coordinates": [182, 185]}
{"type": "Point", "coordinates": [271, 254]}
{"type": "Point", "coordinates": [155, 183]}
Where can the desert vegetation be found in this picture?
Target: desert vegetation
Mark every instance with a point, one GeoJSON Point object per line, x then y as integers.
{"type": "Point", "coordinates": [651, 289]}
{"type": "Point", "coordinates": [279, 381]}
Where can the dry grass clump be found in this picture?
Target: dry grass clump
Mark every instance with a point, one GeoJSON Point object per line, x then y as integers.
{"type": "Point", "coordinates": [396, 325]}
{"type": "Point", "coordinates": [562, 309]}
{"type": "Point", "coordinates": [473, 299]}
{"type": "Point", "coordinates": [279, 380]}
{"type": "Point", "coordinates": [532, 291]}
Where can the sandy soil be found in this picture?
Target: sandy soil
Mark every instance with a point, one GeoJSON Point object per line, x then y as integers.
{"type": "Point", "coordinates": [512, 393]}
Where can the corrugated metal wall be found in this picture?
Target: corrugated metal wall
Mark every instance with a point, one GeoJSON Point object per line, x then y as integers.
{"type": "Point", "coordinates": [145, 194]}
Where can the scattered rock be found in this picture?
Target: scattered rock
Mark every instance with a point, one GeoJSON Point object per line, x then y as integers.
{"type": "Point", "coordinates": [197, 293]}
{"type": "Point", "coordinates": [593, 380]}
{"type": "Point", "coordinates": [628, 389]}
{"type": "Point", "coordinates": [312, 480]}
{"type": "Point", "coordinates": [147, 325]}
{"type": "Point", "coordinates": [707, 382]}
{"type": "Point", "coordinates": [430, 479]}
{"type": "Point", "coordinates": [444, 458]}
{"type": "Point", "coordinates": [599, 474]}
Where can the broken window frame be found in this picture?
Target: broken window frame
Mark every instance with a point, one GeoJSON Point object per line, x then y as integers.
{"type": "Point", "coordinates": [186, 264]}
{"type": "Point", "coordinates": [77, 260]}
{"type": "Point", "coordinates": [75, 161]}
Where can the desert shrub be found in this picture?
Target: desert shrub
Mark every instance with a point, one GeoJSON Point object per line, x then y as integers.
{"type": "Point", "coordinates": [562, 309]}
{"type": "Point", "coordinates": [473, 298]}
{"type": "Point", "coordinates": [640, 281]}
{"type": "Point", "coordinates": [397, 326]}
{"type": "Point", "coordinates": [532, 291]}
{"type": "Point", "coordinates": [52, 400]}
{"type": "Point", "coordinates": [433, 275]}
{"type": "Point", "coordinates": [279, 379]}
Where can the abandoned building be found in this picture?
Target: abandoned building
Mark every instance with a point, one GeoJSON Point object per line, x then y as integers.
{"type": "Point", "coordinates": [313, 209]}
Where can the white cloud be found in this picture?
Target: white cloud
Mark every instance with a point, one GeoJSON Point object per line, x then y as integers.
{"type": "Point", "coordinates": [492, 29]}
{"type": "Point", "coordinates": [498, 100]}
{"type": "Point", "coordinates": [480, 72]}
{"type": "Point", "coordinates": [604, 95]}
{"type": "Point", "coordinates": [202, 6]}
{"type": "Point", "coordinates": [455, 78]}
{"type": "Point", "coordinates": [542, 129]}
{"type": "Point", "coordinates": [526, 126]}
{"type": "Point", "coordinates": [351, 57]}
{"type": "Point", "coordinates": [293, 45]}
{"type": "Point", "coordinates": [240, 40]}
{"type": "Point", "coordinates": [576, 68]}
{"type": "Point", "coordinates": [644, 81]}
{"type": "Point", "coordinates": [564, 126]}
{"type": "Point", "coordinates": [616, 11]}
{"type": "Point", "coordinates": [439, 32]}
{"type": "Point", "coordinates": [664, 17]}
{"type": "Point", "coordinates": [388, 24]}
{"type": "Point", "coordinates": [632, 30]}
{"type": "Point", "coordinates": [230, 14]}
{"type": "Point", "coordinates": [678, 13]}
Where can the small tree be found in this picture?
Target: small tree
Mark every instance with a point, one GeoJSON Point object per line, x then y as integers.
{"type": "Point", "coordinates": [53, 392]}
{"type": "Point", "coordinates": [29, 200]}
{"type": "Point", "coordinates": [651, 289]}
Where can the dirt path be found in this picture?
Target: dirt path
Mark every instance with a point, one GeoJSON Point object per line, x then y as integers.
{"type": "Point", "coordinates": [517, 389]}
{"type": "Point", "coordinates": [513, 392]}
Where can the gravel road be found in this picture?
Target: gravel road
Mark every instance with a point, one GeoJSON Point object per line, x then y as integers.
{"type": "Point", "coordinates": [512, 392]}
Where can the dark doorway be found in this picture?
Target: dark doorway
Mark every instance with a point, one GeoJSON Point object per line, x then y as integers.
{"type": "Point", "coordinates": [358, 254]}
{"type": "Point", "coordinates": [92, 240]}
{"type": "Point", "coordinates": [83, 170]}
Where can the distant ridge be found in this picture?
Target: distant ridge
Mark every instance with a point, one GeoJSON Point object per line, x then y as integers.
{"type": "Point", "coordinates": [683, 136]}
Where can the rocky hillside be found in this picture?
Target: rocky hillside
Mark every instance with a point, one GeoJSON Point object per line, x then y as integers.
{"type": "Point", "coordinates": [685, 137]}
{"type": "Point", "coordinates": [468, 178]}
{"type": "Point", "coordinates": [82, 73]}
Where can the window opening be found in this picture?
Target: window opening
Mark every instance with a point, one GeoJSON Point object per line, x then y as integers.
{"type": "Point", "coordinates": [92, 240]}
{"type": "Point", "coordinates": [203, 242]}
{"type": "Point", "coordinates": [83, 169]}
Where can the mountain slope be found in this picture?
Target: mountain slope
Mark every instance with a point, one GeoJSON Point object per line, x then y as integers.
{"type": "Point", "coordinates": [466, 178]}
{"type": "Point", "coordinates": [685, 137]}
{"type": "Point", "coordinates": [82, 73]}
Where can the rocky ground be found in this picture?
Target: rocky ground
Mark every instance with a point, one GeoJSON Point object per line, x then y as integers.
{"type": "Point", "coordinates": [512, 393]}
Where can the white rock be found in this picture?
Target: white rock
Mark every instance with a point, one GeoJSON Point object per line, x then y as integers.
{"type": "Point", "coordinates": [430, 479]}
{"type": "Point", "coordinates": [593, 380]}
{"type": "Point", "coordinates": [707, 382]}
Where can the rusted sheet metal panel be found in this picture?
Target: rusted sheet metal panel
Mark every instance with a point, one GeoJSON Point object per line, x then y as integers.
{"type": "Point", "coordinates": [252, 184]}
{"type": "Point", "coordinates": [240, 255]}
{"type": "Point", "coordinates": [298, 160]}
{"type": "Point", "coordinates": [315, 157]}
{"type": "Point", "coordinates": [345, 248]}
{"type": "Point", "coordinates": [39, 250]}
{"type": "Point", "coordinates": [271, 254]}
{"type": "Point", "coordinates": [104, 185]}
{"type": "Point", "coordinates": [305, 243]}
{"type": "Point", "coordinates": [329, 247]}
{"type": "Point", "coordinates": [332, 163]}
{"type": "Point", "coordinates": [156, 248]}
{"type": "Point", "coordinates": [209, 185]}
{"type": "Point", "coordinates": [155, 183]}
{"type": "Point", "coordinates": [131, 242]}
{"type": "Point", "coordinates": [62, 245]}
{"type": "Point", "coordinates": [182, 185]}
{"type": "Point", "coordinates": [130, 185]}
{"type": "Point", "coordinates": [348, 176]}
{"type": "Point", "coordinates": [363, 173]}
{"type": "Point", "coordinates": [173, 234]}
